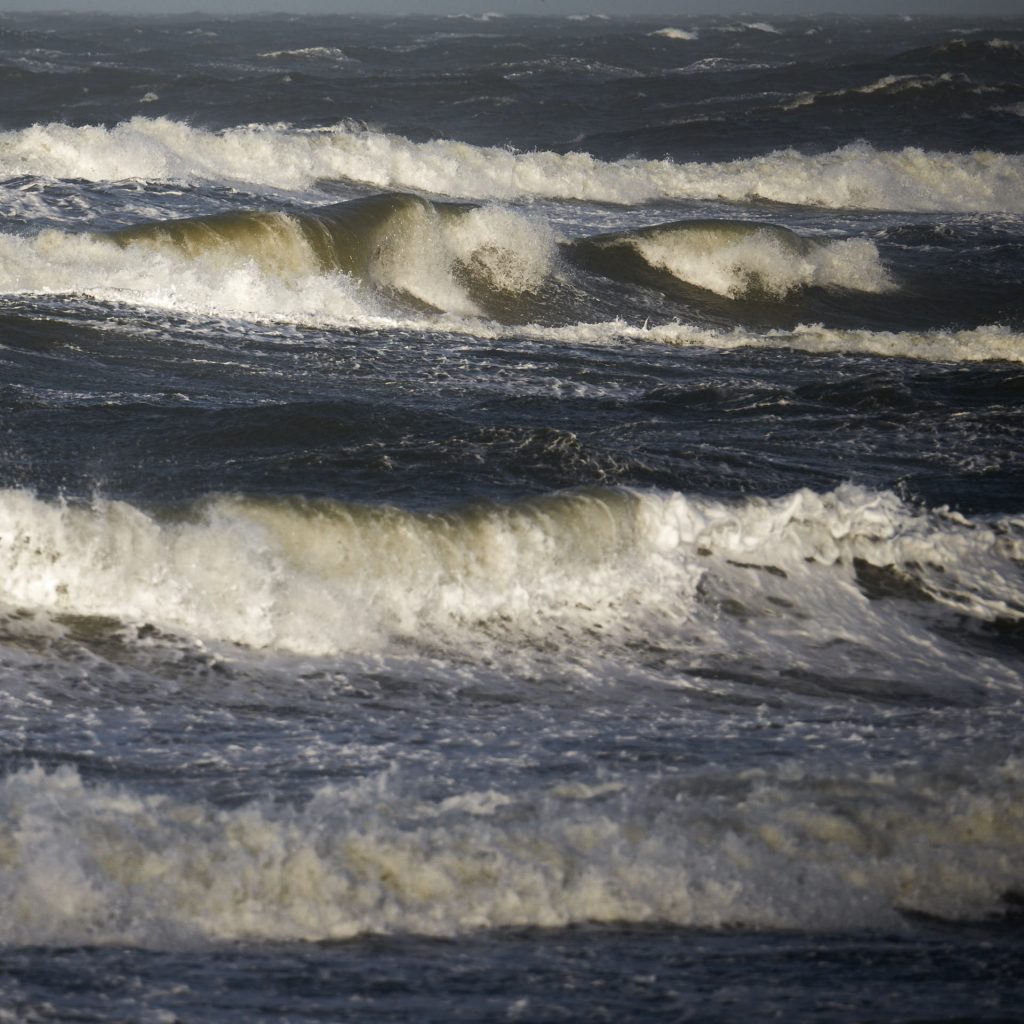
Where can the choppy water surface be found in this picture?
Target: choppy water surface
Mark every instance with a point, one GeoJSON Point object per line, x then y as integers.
{"type": "Point", "coordinates": [508, 518]}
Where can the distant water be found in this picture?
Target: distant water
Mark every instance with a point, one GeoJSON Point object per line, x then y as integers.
{"type": "Point", "coordinates": [511, 519]}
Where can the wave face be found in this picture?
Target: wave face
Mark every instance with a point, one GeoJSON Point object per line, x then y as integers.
{"type": "Point", "coordinates": [439, 256]}
{"type": "Point", "coordinates": [857, 176]}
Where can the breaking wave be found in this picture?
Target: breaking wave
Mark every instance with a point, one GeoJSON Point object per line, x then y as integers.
{"type": "Point", "coordinates": [894, 85]}
{"type": "Point", "coordinates": [323, 577]}
{"type": "Point", "coordinates": [406, 254]}
{"type": "Point", "coordinates": [857, 176]}
{"type": "Point", "coordinates": [99, 864]}
{"type": "Point", "coordinates": [734, 258]}
{"type": "Point", "coordinates": [335, 264]}
{"type": "Point", "coordinates": [397, 260]}
{"type": "Point", "coordinates": [676, 33]}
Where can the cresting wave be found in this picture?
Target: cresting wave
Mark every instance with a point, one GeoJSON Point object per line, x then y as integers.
{"type": "Point", "coordinates": [438, 256]}
{"type": "Point", "coordinates": [348, 263]}
{"type": "Point", "coordinates": [854, 176]}
{"type": "Point", "coordinates": [392, 260]}
{"type": "Point", "coordinates": [736, 258]}
{"type": "Point", "coordinates": [403, 254]}
{"type": "Point", "coordinates": [677, 33]}
{"type": "Point", "coordinates": [324, 577]}
{"type": "Point", "coordinates": [98, 864]}
{"type": "Point", "coordinates": [892, 85]}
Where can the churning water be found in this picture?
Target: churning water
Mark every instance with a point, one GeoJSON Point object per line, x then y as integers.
{"type": "Point", "coordinates": [511, 519]}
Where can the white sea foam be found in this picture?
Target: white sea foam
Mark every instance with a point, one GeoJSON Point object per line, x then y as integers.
{"type": "Point", "coordinates": [857, 176]}
{"type": "Point", "coordinates": [98, 864]}
{"type": "Point", "coordinates": [506, 251]}
{"type": "Point", "coordinates": [1016, 45]}
{"type": "Point", "coordinates": [1011, 45]}
{"type": "Point", "coordinates": [488, 16]}
{"type": "Point", "coordinates": [281, 283]}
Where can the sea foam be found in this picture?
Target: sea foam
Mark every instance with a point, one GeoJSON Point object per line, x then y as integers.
{"type": "Point", "coordinates": [100, 864]}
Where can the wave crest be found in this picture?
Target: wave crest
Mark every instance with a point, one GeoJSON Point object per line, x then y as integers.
{"type": "Point", "coordinates": [856, 176]}
{"type": "Point", "coordinates": [737, 258]}
{"type": "Point", "coordinates": [325, 577]}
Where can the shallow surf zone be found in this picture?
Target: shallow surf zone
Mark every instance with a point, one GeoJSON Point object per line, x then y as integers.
{"type": "Point", "coordinates": [764, 849]}
{"type": "Point", "coordinates": [857, 176]}
{"type": "Point", "coordinates": [611, 572]}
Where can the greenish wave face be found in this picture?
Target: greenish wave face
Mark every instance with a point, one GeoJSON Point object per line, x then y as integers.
{"type": "Point", "coordinates": [489, 261]}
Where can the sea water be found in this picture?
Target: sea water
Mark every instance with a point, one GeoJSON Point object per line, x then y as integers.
{"type": "Point", "coordinates": [511, 518]}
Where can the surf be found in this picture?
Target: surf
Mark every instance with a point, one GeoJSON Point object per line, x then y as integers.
{"type": "Point", "coordinates": [855, 176]}
{"type": "Point", "coordinates": [325, 577]}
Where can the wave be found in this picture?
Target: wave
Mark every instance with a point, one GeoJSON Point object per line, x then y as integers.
{"type": "Point", "coordinates": [737, 258]}
{"type": "Point", "coordinates": [325, 577]}
{"type": "Point", "coordinates": [330, 53]}
{"type": "Point", "coordinates": [340, 263]}
{"type": "Point", "coordinates": [401, 253]}
{"type": "Point", "coordinates": [676, 33]}
{"type": "Point", "coordinates": [488, 16]}
{"type": "Point", "coordinates": [895, 85]}
{"type": "Point", "coordinates": [97, 864]}
{"type": "Point", "coordinates": [854, 176]}
{"type": "Point", "coordinates": [1010, 49]}
{"type": "Point", "coordinates": [750, 26]}
{"type": "Point", "coordinates": [981, 344]}
{"type": "Point", "coordinates": [399, 261]}
{"type": "Point", "coordinates": [710, 65]}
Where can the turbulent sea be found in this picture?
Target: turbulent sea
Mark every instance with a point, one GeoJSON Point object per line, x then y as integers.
{"type": "Point", "coordinates": [511, 519]}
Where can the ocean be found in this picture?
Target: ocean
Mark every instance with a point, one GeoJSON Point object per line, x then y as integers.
{"type": "Point", "coordinates": [511, 518]}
